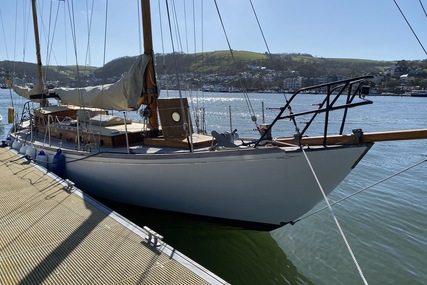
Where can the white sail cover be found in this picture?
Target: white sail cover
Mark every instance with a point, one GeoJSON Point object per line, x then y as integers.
{"type": "Point", "coordinates": [122, 95]}
{"type": "Point", "coordinates": [26, 91]}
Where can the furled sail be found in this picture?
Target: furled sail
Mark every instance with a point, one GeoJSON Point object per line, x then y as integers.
{"type": "Point", "coordinates": [26, 92]}
{"type": "Point", "coordinates": [122, 95]}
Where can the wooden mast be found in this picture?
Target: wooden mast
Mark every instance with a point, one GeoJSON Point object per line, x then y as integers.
{"type": "Point", "coordinates": [150, 94]}
{"type": "Point", "coordinates": [39, 85]}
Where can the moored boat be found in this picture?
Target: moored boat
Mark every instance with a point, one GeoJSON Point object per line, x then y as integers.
{"type": "Point", "coordinates": [161, 163]}
{"type": "Point", "coordinates": [418, 93]}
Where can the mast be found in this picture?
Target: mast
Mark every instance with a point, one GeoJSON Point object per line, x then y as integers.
{"type": "Point", "coordinates": [151, 92]}
{"type": "Point", "coordinates": [38, 88]}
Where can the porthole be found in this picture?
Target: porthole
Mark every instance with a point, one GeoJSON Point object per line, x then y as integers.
{"type": "Point", "coordinates": [176, 117]}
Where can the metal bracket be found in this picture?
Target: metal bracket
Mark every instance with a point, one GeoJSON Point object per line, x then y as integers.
{"type": "Point", "coordinates": [357, 135]}
{"type": "Point", "coordinates": [153, 237]}
{"type": "Point", "coordinates": [69, 186]}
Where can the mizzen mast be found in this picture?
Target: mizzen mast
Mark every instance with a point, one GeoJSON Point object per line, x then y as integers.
{"type": "Point", "coordinates": [151, 92]}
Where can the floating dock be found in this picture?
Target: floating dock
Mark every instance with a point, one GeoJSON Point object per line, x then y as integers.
{"type": "Point", "coordinates": [52, 233]}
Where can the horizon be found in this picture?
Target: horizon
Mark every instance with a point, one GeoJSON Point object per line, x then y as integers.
{"type": "Point", "coordinates": [363, 30]}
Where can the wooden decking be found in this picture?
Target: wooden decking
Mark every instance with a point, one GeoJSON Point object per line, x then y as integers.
{"type": "Point", "coordinates": [52, 233]}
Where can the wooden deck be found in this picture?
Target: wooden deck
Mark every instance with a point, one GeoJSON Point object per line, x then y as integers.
{"type": "Point", "coordinates": [52, 233]}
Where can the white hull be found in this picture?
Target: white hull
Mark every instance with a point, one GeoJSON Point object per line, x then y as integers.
{"type": "Point", "coordinates": [266, 185]}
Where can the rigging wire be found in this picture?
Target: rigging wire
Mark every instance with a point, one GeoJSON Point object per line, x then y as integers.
{"type": "Point", "coordinates": [409, 25]}
{"type": "Point", "coordinates": [190, 88]}
{"type": "Point", "coordinates": [14, 41]}
{"type": "Point", "coordinates": [176, 26]}
{"type": "Point", "coordinates": [138, 4]}
{"type": "Point", "coordinates": [422, 6]}
{"type": "Point", "coordinates": [74, 38]}
{"type": "Point", "coordinates": [364, 189]}
{"type": "Point", "coordinates": [185, 26]}
{"type": "Point", "coordinates": [104, 51]}
{"type": "Point", "coordinates": [359, 269]}
{"type": "Point", "coordinates": [26, 27]}
{"type": "Point", "coordinates": [260, 28]}
{"type": "Point", "coordinates": [203, 27]}
{"type": "Point", "coordinates": [89, 29]}
{"type": "Point", "coordinates": [271, 59]}
{"type": "Point", "coordinates": [49, 48]}
{"type": "Point", "coordinates": [173, 48]}
{"type": "Point", "coordinates": [4, 35]}
{"type": "Point", "coordinates": [14, 55]}
{"type": "Point", "coordinates": [203, 62]}
{"type": "Point", "coordinates": [195, 105]}
{"type": "Point", "coordinates": [163, 49]}
{"type": "Point", "coordinates": [245, 94]}
{"type": "Point", "coordinates": [7, 53]}
{"type": "Point", "coordinates": [186, 125]}
{"type": "Point", "coordinates": [65, 36]}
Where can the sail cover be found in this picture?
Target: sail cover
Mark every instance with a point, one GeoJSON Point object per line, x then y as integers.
{"type": "Point", "coordinates": [122, 95]}
{"type": "Point", "coordinates": [26, 92]}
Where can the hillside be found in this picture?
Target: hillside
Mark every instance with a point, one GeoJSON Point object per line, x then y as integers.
{"type": "Point", "coordinates": [218, 64]}
{"type": "Point", "coordinates": [28, 72]}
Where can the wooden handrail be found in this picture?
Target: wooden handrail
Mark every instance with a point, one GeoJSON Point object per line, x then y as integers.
{"type": "Point", "coordinates": [354, 139]}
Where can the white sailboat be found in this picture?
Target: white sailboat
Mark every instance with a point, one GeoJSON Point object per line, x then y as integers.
{"type": "Point", "coordinates": [261, 182]}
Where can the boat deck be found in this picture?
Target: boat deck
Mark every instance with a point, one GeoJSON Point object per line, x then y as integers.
{"type": "Point", "coordinates": [52, 233]}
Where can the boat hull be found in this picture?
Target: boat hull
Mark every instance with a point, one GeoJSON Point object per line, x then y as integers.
{"type": "Point", "coordinates": [268, 186]}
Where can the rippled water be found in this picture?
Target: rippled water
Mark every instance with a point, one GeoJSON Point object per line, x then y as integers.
{"type": "Point", "coordinates": [386, 225]}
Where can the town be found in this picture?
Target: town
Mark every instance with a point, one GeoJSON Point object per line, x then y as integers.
{"type": "Point", "coordinates": [251, 72]}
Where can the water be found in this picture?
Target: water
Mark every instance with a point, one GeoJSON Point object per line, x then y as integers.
{"type": "Point", "coordinates": [385, 225]}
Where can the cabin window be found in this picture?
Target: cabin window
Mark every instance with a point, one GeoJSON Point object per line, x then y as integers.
{"type": "Point", "coordinates": [176, 117]}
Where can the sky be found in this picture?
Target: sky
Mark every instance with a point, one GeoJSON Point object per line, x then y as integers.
{"type": "Point", "coordinates": [108, 29]}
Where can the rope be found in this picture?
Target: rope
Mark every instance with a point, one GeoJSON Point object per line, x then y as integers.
{"type": "Point", "coordinates": [364, 189]}
{"type": "Point", "coordinates": [335, 219]}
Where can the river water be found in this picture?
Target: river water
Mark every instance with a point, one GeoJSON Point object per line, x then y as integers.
{"type": "Point", "coordinates": [385, 225]}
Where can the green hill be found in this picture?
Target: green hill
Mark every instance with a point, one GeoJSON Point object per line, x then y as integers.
{"type": "Point", "coordinates": [217, 63]}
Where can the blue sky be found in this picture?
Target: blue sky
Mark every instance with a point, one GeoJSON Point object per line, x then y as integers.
{"type": "Point", "coordinates": [368, 29]}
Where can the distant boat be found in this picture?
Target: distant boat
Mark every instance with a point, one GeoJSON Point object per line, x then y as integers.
{"type": "Point", "coordinates": [419, 93]}
{"type": "Point", "coordinates": [260, 182]}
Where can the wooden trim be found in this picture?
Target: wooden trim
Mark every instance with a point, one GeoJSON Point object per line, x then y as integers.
{"type": "Point", "coordinates": [365, 138]}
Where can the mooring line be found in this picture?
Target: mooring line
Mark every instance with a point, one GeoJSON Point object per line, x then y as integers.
{"type": "Point", "coordinates": [359, 269]}
{"type": "Point", "coordinates": [364, 189]}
